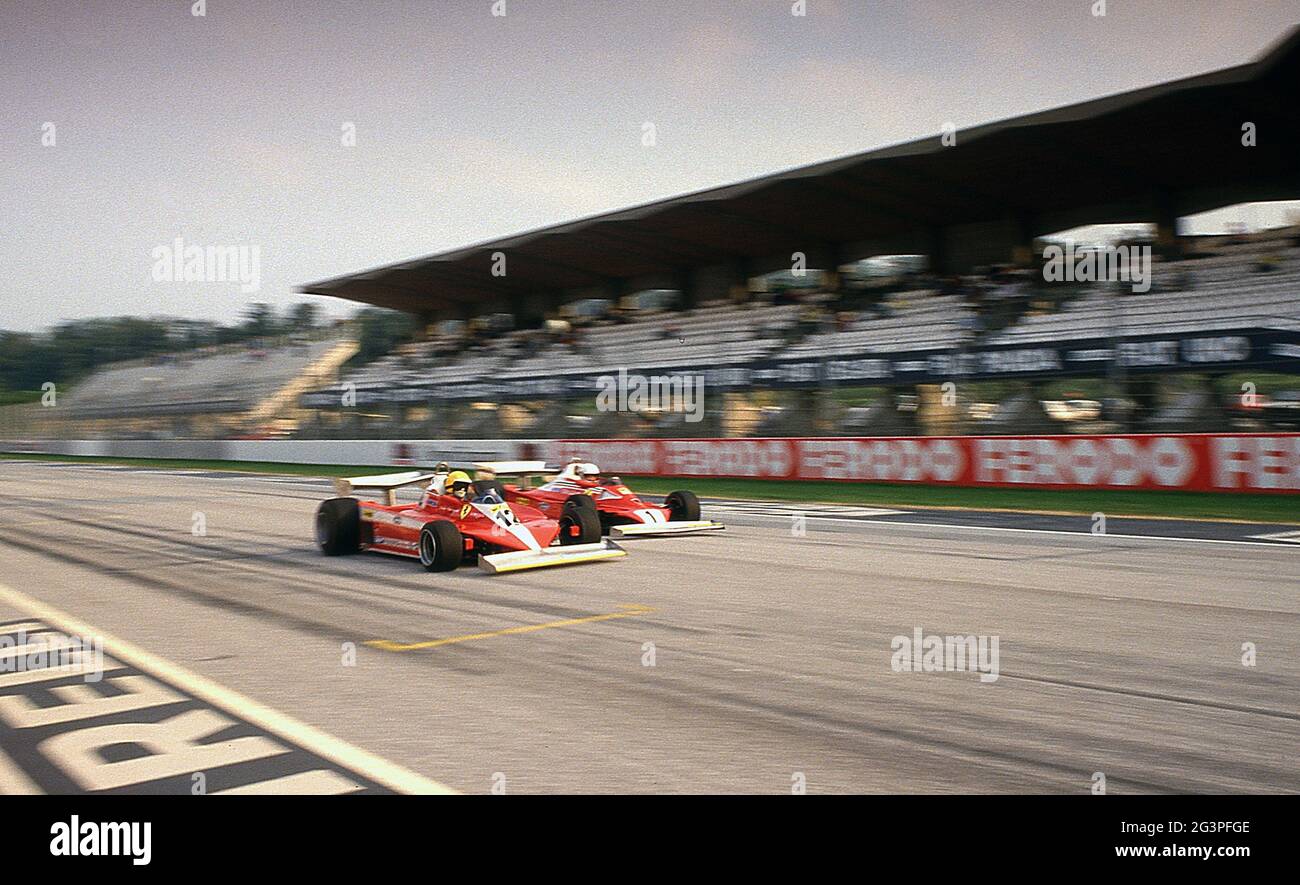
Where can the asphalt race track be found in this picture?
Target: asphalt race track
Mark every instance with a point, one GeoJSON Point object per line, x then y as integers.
{"type": "Point", "coordinates": [236, 658]}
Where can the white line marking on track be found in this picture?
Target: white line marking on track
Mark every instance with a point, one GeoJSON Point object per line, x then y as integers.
{"type": "Point", "coordinates": [793, 509]}
{"type": "Point", "coordinates": [1287, 537]}
{"type": "Point", "coordinates": [326, 746]}
{"type": "Point", "coordinates": [999, 528]}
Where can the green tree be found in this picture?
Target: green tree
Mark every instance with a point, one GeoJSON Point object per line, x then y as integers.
{"type": "Point", "coordinates": [303, 316]}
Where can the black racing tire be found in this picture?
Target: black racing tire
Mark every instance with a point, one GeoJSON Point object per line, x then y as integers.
{"type": "Point", "coordinates": [441, 547]}
{"type": "Point", "coordinates": [585, 518]}
{"type": "Point", "coordinates": [683, 505]}
{"type": "Point", "coordinates": [586, 502]}
{"type": "Point", "coordinates": [338, 526]}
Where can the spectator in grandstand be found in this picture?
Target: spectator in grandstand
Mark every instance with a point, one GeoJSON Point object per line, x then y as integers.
{"type": "Point", "coordinates": [809, 319]}
{"type": "Point", "coordinates": [972, 322]}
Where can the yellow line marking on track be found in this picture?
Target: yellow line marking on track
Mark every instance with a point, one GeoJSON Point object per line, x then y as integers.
{"type": "Point", "coordinates": [630, 611]}
{"type": "Point", "coordinates": [338, 751]}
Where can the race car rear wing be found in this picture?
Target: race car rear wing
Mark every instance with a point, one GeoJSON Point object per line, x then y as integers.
{"type": "Point", "coordinates": [511, 468]}
{"type": "Point", "coordinates": [388, 482]}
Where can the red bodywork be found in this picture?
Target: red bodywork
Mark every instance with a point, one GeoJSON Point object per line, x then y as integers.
{"type": "Point", "coordinates": [615, 502]}
{"type": "Point", "coordinates": [396, 529]}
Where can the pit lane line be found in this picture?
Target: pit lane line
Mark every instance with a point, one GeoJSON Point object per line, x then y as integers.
{"type": "Point", "coordinates": [326, 746]}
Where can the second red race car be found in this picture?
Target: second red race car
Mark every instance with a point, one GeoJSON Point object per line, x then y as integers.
{"type": "Point", "coordinates": [621, 512]}
{"type": "Point", "coordinates": [457, 521]}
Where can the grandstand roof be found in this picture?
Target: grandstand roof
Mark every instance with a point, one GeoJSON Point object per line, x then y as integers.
{"type": "Point", "coordinates": [1175, 147]}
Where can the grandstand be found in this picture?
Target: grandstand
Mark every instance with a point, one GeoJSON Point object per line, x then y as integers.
{"type": "Point", "coordinates": [1225, 291]}
{"type": "Point", "coordinates": [214, 392]}
{"type": "Point", "coordinates": [846, 353]}
{"type": "Point", "coordinates": [919, 319]}
{"type": "Point", "coordinates": [1233, 295]}
{"type": "Point", "coordinates": [719, 334]}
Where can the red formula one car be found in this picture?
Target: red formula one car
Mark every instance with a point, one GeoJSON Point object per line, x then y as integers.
{"type": "Point", "coordinates": [622, 514]}
{"type": "Point", "coordinates": [442, 530]}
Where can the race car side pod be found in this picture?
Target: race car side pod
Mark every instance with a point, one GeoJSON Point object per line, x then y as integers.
{"type": "Point", "coordinates": [569, 554]}
{"type": "Point", "coordinates": [641, 530]}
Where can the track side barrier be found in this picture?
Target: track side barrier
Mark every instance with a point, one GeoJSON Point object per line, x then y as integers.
{"type": "Point", "coordinates": [1207, 462]}
{"type": "Point", "coordinates": [1244, 462]}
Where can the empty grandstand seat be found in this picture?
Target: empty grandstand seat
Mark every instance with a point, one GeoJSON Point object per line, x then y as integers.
{"type": "Point", "coordinates": [213, 380]}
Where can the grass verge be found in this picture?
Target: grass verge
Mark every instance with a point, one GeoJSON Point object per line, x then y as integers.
{"type": "Point", "coordinates": [1166, 504]}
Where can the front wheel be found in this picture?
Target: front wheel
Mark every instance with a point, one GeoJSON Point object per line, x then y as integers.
{"type": "Point", "coordinates": [683, 506]}
{"type": "Point", "coordinates": [440, 546]}
{"type": "Point", "coordinates": [586, 502]}
{"type": "Point", "coordinates": [579, 524]}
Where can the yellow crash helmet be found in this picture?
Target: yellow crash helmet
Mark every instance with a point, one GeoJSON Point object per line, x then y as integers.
{"type": "Point", "coordinates": [458, 483]}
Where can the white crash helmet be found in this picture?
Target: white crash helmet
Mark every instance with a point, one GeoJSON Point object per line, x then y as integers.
{"type": "Point", "coordinates": [579, 469]}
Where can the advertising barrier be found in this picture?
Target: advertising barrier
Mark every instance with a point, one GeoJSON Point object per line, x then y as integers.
{"type": "Point", "coordinates": [1188, 462]}
{"type": "Point", "coordinates": [1209, 462]}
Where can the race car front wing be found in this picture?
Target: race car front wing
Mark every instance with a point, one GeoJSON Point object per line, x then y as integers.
{"type": "Point", "coordinates": [680, 527]}
{"type": "Point", "coordinates": [571, 554]}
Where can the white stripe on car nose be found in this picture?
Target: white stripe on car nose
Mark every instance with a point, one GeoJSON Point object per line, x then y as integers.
{"type": "Point", "coordinates": [522, 533]}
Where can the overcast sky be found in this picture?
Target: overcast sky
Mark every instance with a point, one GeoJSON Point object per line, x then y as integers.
{"type": "Point", "coordinates": [226, 129]}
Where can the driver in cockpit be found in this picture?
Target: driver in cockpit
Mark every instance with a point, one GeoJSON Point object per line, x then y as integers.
{"type": "Point", "coordinates": [437, 484]}
{"type": "Point", "coordinates": [460, 486]}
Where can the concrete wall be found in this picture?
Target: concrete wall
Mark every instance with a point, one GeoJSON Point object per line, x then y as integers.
{"type": "Point", "coordinates": [365, 452]}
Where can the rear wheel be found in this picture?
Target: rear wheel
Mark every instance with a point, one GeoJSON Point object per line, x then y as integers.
{"type": "Point", "coordinates": [338, 526]}
{"type": "Point", "coordinates": [440, 546]}
{"type": "Point", "coordinates": [683, 506]}
{"type": "Point", "coordinates": [579, 523]}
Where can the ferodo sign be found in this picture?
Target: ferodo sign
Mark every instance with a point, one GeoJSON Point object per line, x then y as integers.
{"type": "Point", "coordinates": [1194, 462]}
